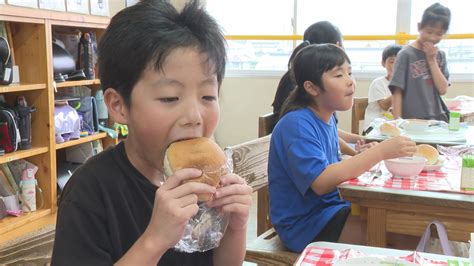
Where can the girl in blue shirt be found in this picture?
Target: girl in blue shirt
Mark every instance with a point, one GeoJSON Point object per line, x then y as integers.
{"type": "Point", "coordinates": [304, 167]}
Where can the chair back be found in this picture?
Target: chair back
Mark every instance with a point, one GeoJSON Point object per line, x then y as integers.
{"type": "Point", "coordinates": [250, 161]}
{"type": "Point", "coordinates": [266, 123]}
{"type": "Point", "coordinates": [358, 113]}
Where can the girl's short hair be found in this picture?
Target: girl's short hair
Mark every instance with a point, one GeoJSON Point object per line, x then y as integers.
{"type": "Point", "coordinates": [436, 14]}
{"type": "Point", "coordinates": [309, 65]}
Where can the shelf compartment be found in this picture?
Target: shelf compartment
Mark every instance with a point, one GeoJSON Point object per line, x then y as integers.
{"type": "Point", "coordinates": [10, 223]}
{"type": "Point", "coordinates": [22, 87]}
{"type": "Point", "coordinates": [75, 142]}
{"type": "Point", "coordinates": [21, 154]}
{"type": "Point", "coordinates": [78, 83]}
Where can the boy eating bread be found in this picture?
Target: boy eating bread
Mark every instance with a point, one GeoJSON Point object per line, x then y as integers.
{"type": "Point", "coordinates": [161, 71]}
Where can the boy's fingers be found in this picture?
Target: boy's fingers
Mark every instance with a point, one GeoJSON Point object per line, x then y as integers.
{"type": "Point", "coordinates": [181, 175]}
{"type": "Point", "coordinates": [192, 188]}
{"type": "Point", "coordinates": [232, 178]}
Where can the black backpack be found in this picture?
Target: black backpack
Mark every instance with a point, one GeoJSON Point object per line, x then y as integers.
{"type": "Point", "coordinates": [6, 71]}
{"type": "Point", "coordinates": [9, 119]}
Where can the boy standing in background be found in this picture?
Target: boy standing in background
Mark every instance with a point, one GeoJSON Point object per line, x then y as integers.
{"type": "Point", "coordinates": [421, 74]}
{"type": "Point", "coordinates": [380, 97]}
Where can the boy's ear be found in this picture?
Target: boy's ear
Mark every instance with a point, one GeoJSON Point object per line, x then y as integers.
{"type": "Point", "coordinates": [311, 89]}
{"type": "Point", "coordinates": [116, 106]}
{"type": "Point", "coordinates": [383, 63]}
{"type": "Point", "coordinates": [418, 26]}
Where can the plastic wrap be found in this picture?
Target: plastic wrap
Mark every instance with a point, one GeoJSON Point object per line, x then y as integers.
{"type": "Point", "coordinates": [205, 230]}
{"type": "Point", "coordinates": [455, 151]}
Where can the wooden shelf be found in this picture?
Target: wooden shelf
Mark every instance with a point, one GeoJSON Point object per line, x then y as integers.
{"type": "Point", "coordinates": [78, 83]}
{"type": "Point", "coordinates": [22, 87]}
{"type": "Point", "coordinates": [31, 33]}
{"type": "Point", "coordinates": [36, 15]}
{"type": "Point", "coordinates": [21, 154]}
{"type": "Point", "coordinates": [9, 223]}
{"type": "Point", "coordinates": [75, 142]}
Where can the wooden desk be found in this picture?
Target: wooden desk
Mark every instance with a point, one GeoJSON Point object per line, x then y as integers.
{"type": "Point", "coordinates": [409, 212]}
{"type": "Point", "coordinates": [464, 107]}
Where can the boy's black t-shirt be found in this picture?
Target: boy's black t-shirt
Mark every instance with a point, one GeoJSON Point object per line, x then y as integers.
{"type": "Point", "coordinates": [104, 209]}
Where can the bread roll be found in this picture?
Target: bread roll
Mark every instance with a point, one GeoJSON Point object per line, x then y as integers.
{"type": "Point", "coordinates": [200, 153]}
{"type": "Point", "coordinates": [389, 129]}
{"type": "Point", "coordinates": [429, 152]}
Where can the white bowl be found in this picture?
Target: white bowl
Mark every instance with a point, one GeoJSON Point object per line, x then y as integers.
{"type": "Point", "coordinates": [417, 126]}
{"type": "Point", "coordinates": [406, 167]}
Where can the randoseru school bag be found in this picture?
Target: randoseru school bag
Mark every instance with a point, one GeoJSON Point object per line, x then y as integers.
{"type": "Point", "coordinates": [10, 134]}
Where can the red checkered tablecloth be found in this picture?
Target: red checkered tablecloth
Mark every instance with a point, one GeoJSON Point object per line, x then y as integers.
{"type": "Point", "coordinates": [316, 256]}
{"type": "Point", "coordinates": [447, 179]}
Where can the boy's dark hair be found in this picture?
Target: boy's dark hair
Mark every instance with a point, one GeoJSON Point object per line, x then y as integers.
{"type": "Point", "coordinates": [309, 65]}
{"type": "Point", "coordinates": [391, 50]}
{"type": "Point", "coordinates": [145, 34]}
{"type": "Point", "coordinates": [317, 33]}
{"type": "Point", "coordinates": [434, 14]}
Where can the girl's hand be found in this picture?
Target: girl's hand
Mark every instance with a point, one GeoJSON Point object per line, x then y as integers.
{"type": "Point", "coordinates": [361, 146]}
{"type": "Point", "coordinates": [396, 147]}
{"type": "Point", "coordinates": [175, 203]}
{"type": "Point", "coordinates": [233, 197]}
{"type": "Point", "coordinates": [430, 50]}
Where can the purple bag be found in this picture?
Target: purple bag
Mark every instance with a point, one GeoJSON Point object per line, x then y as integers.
{"type": "Point", "coordinates": [443, 237]}
{"type": "Point", "coordinates": [67, 123]}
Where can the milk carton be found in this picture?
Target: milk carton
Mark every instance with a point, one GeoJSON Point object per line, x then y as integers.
{"type": "Point", "coordinates": [467, 173]}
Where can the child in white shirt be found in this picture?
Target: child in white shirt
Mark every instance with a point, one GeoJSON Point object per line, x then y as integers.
{"type": "Point", "coordinates": [380, 97]}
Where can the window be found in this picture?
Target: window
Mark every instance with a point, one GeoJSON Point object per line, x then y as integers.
{"type": "Point", "coordinates": [361, 17]}
{"type": "Point", "coordinates": [459, 53]}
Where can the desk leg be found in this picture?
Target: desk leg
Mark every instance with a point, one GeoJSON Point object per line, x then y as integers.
{"type": "Point", "coordinates": [376, 227]}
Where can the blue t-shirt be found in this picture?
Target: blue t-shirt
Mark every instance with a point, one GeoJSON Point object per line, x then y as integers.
{"type": "Point", "coordinates": [301, 147]}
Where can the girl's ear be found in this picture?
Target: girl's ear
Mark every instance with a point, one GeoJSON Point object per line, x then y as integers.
{"type": "Point", "coordinates": [311, 89]}
{"type": "Point", "coordinates": [116, 106]}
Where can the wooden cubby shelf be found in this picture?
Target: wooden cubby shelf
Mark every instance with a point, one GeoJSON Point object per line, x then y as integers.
{"type": "Point", "coordinates": [22, 154]}
{"type": "Point", "coordinates": [10, 223]}
{"type": "Point", "coordinates": [30, 35]}
{"type": "Point", "coordinates": [22, 87]}
{"type": "Point", "coordinates": [81, 140]}
{"type": "Point", "coordinates": [86, 82]}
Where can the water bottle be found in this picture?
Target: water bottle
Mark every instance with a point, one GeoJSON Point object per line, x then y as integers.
{"type": "Point", "coordinates": [28, 185]}
{"type": "Point", "coordinates": [101, 108]}
{"type": "Point", "coordinates": [86, 55]}
{"type": "Point", "coordinates": [24, 122]}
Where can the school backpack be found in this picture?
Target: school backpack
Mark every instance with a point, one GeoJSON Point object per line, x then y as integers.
{"type": "Point", "coordinates": [6, 73]}
{"type": "Point", "coordinates": [9, 131]}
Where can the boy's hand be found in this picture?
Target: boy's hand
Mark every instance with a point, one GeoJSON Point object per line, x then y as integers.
{"type": "Point", "coordinates": [175, 203]}
{"type": "Point", "coordinates": [234, 197]}
{"type": "Point", "coordinates": [396, 147]}
{"type": "Point", "coordinates": [430, 50]}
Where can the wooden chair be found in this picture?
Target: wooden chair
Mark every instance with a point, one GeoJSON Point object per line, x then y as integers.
{"type": "Point", "coordinates": [250, 161]}
{"type": "Point", "coordinates": [358, 113]}
{"type": "Point", "coordinates": [266, 123]}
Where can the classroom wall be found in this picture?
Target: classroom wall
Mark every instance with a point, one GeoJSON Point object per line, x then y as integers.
{"type": "Point", "coordinates": [242, 100]}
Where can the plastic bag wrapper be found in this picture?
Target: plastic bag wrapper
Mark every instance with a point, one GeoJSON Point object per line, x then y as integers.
{"type": "Point", "coordinates": [455, 151]}
{"type": "Point", "coordinates": [205, 230]}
